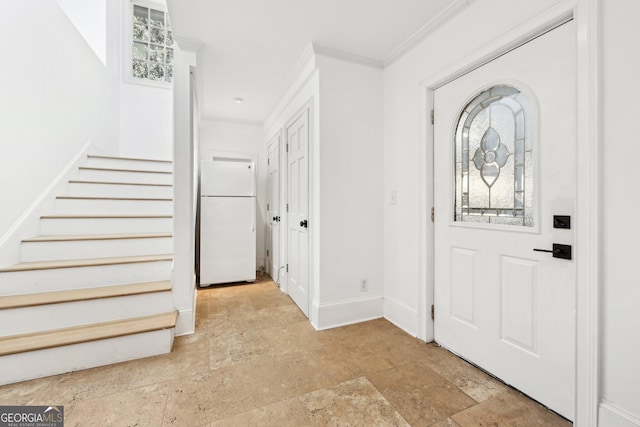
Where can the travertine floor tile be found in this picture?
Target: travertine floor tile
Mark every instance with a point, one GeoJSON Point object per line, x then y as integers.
{"type": "Point", "coordinates": [139, 407]}
{"type": "Point", "coordinates": [236, 389]}
{"type": "Point", "coordinates": [352, 403]}
{"type": "Point", "coordinates": [509, 409]}
{"type": "Point", "coordinates": [33, 392]}
{"type": "Point", "coordinates": [89, 383]}
{"type": "Point", "coordinates": [420, 395]}
{"type": "Point", "coordinates": [255, 360]}
{"type": "Point", "coordinates": [468, 378]}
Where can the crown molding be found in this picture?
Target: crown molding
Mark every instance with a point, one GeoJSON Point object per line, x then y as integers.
{"type": "Point", "coordinates": [453, 9]}
{"type": "Point", "coordinates": [347, 56]}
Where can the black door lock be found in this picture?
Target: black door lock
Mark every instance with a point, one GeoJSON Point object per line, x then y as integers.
{"type": "Point", "coordinates": [562, 221]}
{"type": "Point", "coordinates": [303, 223]}
{"type": "Point", "coordinates": [558, 251]}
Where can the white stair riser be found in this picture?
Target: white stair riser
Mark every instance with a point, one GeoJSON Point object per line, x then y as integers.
{"type": "Point", "coordinates": [119, 190]}
{"type": "Point", "coordinates": [65, 226]}
{"type": "Point", "coordinates": [100, 162]}
{"type": "Point", "coordinates": [58, 279]}
{"type": "Point", "coordinates": [110, 206]}
{"type": "Point", "coordinates": [117, 176]}
{"type": "Point", "coordinates": [54, 316]}
{"type": "Point", "coordinates": [58, 360]}
{"type": "Point", "coordinates": [83, 249]}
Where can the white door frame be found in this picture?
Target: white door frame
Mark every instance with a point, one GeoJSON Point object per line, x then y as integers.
{"type": "Point", "coordinates": [275, 139]}
{"type": "Point", "coordinates": [587, 252]}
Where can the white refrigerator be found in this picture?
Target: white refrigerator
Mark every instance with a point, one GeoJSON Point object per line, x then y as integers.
{"type": "Point", "coordinates": [227, 221]}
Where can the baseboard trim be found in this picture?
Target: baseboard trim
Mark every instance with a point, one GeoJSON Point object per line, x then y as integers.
{"type": "Point", "coordinates": [402, 316]}
{"type": "Point", "coordinates": [341, 313]}
{"type": "Point", "coordinates": [29, 222]}
{"type": "Point", "coordinates": [185, 325]}
{"type": "Point", "coordinates": [612, 416]}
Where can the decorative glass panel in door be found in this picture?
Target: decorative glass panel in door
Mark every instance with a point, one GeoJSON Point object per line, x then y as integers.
{"type": "Point", "coordinates": [494, 159]}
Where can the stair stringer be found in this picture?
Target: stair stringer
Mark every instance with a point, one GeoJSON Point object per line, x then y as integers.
{"type": "Point", "coordinates": [29, 222]}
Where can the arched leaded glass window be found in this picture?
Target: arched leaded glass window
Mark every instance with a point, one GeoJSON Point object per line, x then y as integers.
{"type": "Point", "coordinates": [494, 159]}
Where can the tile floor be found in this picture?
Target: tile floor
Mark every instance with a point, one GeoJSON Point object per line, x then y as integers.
{"type": "Point", "coordinates": [256, 361]}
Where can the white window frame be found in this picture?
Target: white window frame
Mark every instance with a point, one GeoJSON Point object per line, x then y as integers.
{"type": "Point", "coordinates": [127, 44]}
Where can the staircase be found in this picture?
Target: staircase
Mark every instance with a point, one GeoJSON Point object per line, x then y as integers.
{"type": "Point", "coordinates": [94, 288]}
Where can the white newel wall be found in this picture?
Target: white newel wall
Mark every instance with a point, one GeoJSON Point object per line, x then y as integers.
{"type": "Point", "coordinates": [53, 103]}
{"type": "Point", "coordinates": [620, 334]}
{"type": "Point", "coordinates": [217, 135]}
{"type": "Point", "coordinates": [146, 121]}
{"type": "Point", "coordinates": [184, 202]}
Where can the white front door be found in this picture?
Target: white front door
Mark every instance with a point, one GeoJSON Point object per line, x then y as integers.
{"type": "Point", "coordinates": [298, 211]}
{"type": "Point", "coordinates": [273, 207]}
{"type": "Point", "coordinates": [504, 150]}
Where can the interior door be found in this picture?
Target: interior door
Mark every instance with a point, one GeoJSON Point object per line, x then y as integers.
{"type": "Point", "coordinates": [273, 204]}
{"type": "Point", "coordinates": [298, 211]}
{"type": "Point", "coordinates": [505, 141]}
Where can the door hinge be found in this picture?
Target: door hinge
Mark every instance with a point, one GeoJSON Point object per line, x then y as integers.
{"type": "Point", "coordinates": [267, 252]}
{"type": "Point", "coordinates": [287, 148]}
{"type": "Point", "coordinates": [287, 207]}
{"type": "Point", "coordinates": [268, 161]}
{"type": "Point", "coordinates": [267, 206]}
{"type": "Point", "coordinates": [433, 214]}
{"type": "Point", "coordinates": [433, 312]}
{"type": "Point", "coordinates": [433, 117]}
{"type": "Point", "coordinates": [287, 268]}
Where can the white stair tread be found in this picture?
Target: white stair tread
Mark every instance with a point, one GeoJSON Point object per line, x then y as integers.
{"type": "Point", "coordinates": [85, 333]}
{"type": "Point", "coordinates": [124, 170]}
{"type": "Point", "coordinates": [75, 181]}
{"type": "Point", "coordinates": [137, 199]}
{"type": "Point", "coordinates": [79, 237]}
{"type": "Point", "coordinates": [107, 216]}
{"type": "Point", "coordinates": [71, 295]}
{"type": "Point", "coordinates": [128, 158]}
{"type": "Point", "coordinates": [90, 262]}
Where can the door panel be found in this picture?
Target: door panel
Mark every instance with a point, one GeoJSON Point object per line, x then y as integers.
{"type": "Point", "coordinates": [298, 215]}
{"type": "Point", "coordinates": [499, 181]}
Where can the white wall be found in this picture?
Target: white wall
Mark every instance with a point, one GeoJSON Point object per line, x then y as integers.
{"type": "Point", "coordinates": [621, 203]}
{"type": "Point", "coordinates": [461, 35]}
{"type": "Point", "coordinates": [351, 181]}
{"type": "Point", "coordinates": [345, 184]}
{"type": "Point", "coordinates": [90, 18]}
{"type": "Point", "coordinates": [146, 111]}
{"type": "Point", "coordinates": [56, 97]}
{"type": "Point", "coordinates": [146, 121]}
{"type": "Point", "coordinates": [218, 135]}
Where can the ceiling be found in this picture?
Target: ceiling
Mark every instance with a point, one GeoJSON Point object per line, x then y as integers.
{"type": "Point", "coordinates": [249, 47]}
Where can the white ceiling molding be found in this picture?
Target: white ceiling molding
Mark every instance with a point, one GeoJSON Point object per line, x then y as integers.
{"type": "Point", "coordinates": [347, 56]}
{"type": "Point", "coordinates": [454, 8]}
